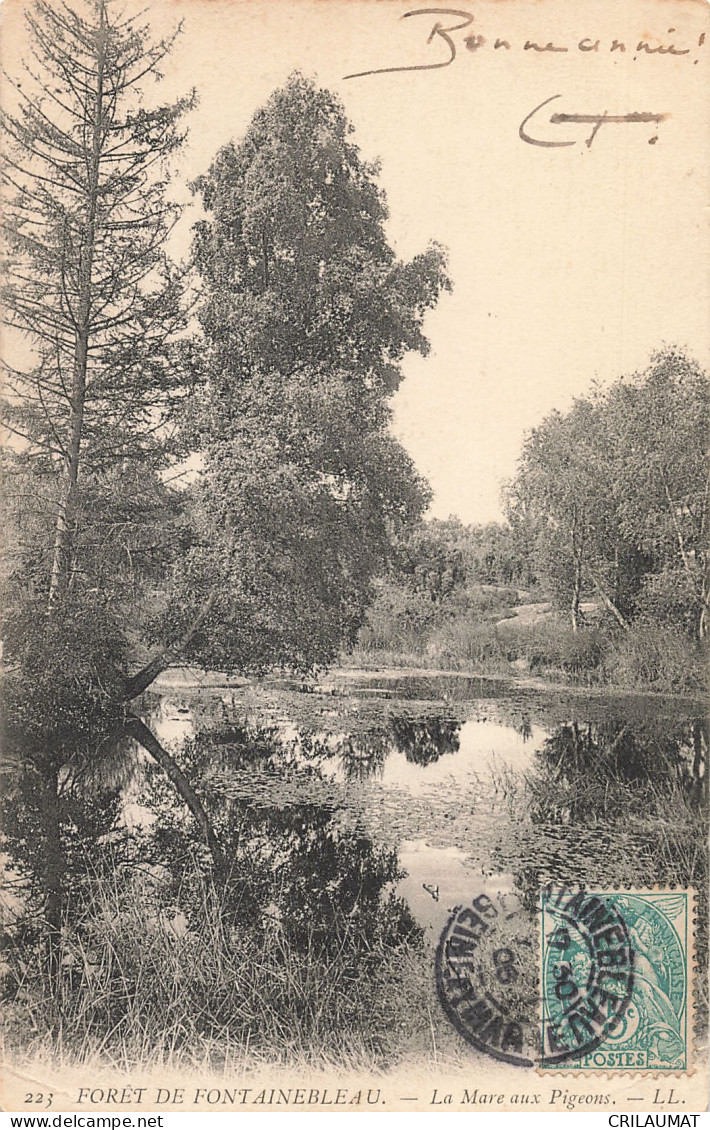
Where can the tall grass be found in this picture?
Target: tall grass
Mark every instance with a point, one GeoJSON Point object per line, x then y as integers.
{"type": "Point", "coordinates": [657, 656]}
{"type": "Point", "coordinates": [552, 646]}
{"type": "Point", "coordinates": [140, 988]}
{"type": "Point", "coordinates": [468, 644]}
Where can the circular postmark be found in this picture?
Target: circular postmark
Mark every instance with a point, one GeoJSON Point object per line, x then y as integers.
{"type": "Point", "coordinates": [542, 990]}
{"type": "Point", "coordinates": [487, 977]}
{"type": "Point", "coordinates": [587, 972]}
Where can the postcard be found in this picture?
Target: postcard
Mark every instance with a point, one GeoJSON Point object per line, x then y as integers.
{"type": "Point", "coordinates": [355, 542]}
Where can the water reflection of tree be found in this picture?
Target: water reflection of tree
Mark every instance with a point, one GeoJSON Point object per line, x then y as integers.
{"type": "Point", "coordinates": [581, 768]}
{"type": "Point", "coordinates": [361, 753]}
{"type": "Point", "coordinates": [61, 833]}
{"type": "Point", "coordinates": [299, 865]}
{"type": "Point", "coordinates": [525, 728]}
{"type": "Point", "coordinates": [298, 879]}
{"type": "Point", "coordinates": [613, 803]}
{"type": "Point", "coordinates": [363, 756]}
{"type": "Point", "coordinates": [425, 740]}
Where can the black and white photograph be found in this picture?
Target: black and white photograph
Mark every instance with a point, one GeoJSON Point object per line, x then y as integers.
{"type": "Point", "coordinates": [355, 564]}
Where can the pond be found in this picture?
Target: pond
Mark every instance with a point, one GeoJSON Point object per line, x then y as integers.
{"type": "Point", "coordinates": [345, 820]}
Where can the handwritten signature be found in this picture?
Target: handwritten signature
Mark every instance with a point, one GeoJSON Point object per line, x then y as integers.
{"type": "Point", "coordinates": [595, 120]}
{"type": "Point", "coordinates": [474, 42]}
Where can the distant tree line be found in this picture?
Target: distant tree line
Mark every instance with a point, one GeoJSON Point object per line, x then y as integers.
{"type": "Point", "coordinates": [442, 556]}
{"type": "Point", "coordinates": [606, 521]}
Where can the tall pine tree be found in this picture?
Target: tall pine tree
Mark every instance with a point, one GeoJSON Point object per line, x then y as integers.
{"type": "Point", "coordinates": [90, 294]}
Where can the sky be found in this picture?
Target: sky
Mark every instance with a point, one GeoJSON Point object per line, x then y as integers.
{"type": "Point", "coordinates": [569, 264]}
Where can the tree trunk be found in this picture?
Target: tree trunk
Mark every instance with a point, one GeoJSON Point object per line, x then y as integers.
{"type": "Point", "coordinates": [673, 510]}
{"type": "Point", "coordinates": [166, 655]}
{"type": "Point", "coordinates": [578, 556]}
{"type": "Point", "coordinates": [700, 774]}
{"type": "Point", "coordinates": [53, 876]}
{"type": "Point", "coordinates": [702, 630]}
{"type": "Point", "coordinates": [138, 730]}
{"type": "Point", "coordinates": [147, 675]}
{"type": "Point", "coordinates": [608, 602]}
{"type": "Point", "coordinates": [576, 596]}
{"type": "Point", "coordinates": [61, 562]}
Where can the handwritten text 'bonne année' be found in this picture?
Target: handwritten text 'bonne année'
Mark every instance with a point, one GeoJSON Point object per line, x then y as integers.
{"type": "Point", "coordinates": [444, 23]}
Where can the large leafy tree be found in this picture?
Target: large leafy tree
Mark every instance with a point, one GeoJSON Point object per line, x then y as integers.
{"type": "Point", "coordinates": [565, 486]}
{"type": "Point", "coordinates": [617, 493]}
{"type": "Point", "coordinates": [659, 424]}
{"type": "Point", "coordinates": [307, 314]}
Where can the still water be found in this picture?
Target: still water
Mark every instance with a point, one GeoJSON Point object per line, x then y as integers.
{"type": "Point", "coordinates": [324, 827]}
{"type": "Point", "coordinates": [473, 788]}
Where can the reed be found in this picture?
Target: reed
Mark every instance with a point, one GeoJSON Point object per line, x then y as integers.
{"type": "Point", "coordinates": [138, 987]}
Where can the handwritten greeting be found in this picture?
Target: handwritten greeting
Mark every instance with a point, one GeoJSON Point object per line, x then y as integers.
{"type": "Point", "coordinates": [441, 35]}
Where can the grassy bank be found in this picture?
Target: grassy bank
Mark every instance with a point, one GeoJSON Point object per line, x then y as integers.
{"type": "Point", "coordinates": [495, 633]}
{"type": "Point", "coordinates": [139, 988]}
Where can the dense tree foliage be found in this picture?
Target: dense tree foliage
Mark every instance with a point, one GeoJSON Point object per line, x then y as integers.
{"type": "Point", "coordinates": [659, 425]}
{"type": "Point", "coordinates": [617, 493]}
{"type": "Point", "coordinates": [307, 314]}
{"type": "Point", "coordinates": [569, 489]}
{"type": "Point", "coordinates": [442, 559]}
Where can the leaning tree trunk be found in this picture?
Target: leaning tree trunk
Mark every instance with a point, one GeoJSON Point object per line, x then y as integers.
{"type": "Point", "coordinates": [164, 656]}
{"type": "Point", "coordinates": [607, 601]}
{"type": "Point", "coordinates": [138, 730]}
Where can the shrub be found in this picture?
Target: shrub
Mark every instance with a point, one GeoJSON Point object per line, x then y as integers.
{"type": "Point", "coordinates": [455, 630]}
{"type": "Point", "coordinates": [669, 598]}
{"type": "Point", "coordinates": [466, 642]}
{"type": "Point", "coordinates": [65, 671]}
{"type": "Point", "coordinates": [551, 644]}
{"type": "Point", "coordinates": [489, 598]}
{"type": "Point", "coordinates": [657, 656]}
{"type": "Point", "coordinates": [398, 620]}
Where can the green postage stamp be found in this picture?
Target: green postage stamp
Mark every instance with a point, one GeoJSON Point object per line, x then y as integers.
{"type": "Point", "coordinates": [616, 980]}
